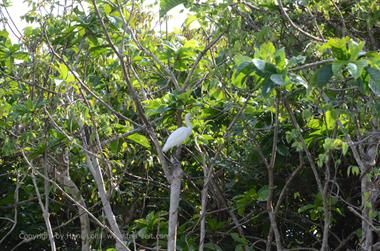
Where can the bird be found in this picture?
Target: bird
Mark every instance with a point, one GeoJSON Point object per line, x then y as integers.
{"type": "Point", "coordinates": [177, 137]}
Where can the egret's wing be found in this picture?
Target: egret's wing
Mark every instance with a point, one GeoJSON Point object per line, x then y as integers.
{"type": "Point", "coordinates": [176, 138]}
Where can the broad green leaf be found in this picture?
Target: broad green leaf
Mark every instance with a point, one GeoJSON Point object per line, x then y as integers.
{"type": "Point", "coordinates": [280, 58]}
{"type": "Point", "coordinates": [374, 86]}
{"type": "Point", "coordinates": [239, 59]}
{"type": "Point", "coordinates": [28, 30]}
{"type": "Point", "coordinates": [267, 87]}
{"type": "Point", "coordinates": [107, 9]}
{"type": "Point", "coordinates": [353, 70]}
{"type": "Point", "coordinates": [338, 47]}
{"type": "Point", "coordinates": [323, 75]}
{"type": "Point", "coordinates": [321, 159]}
{"type": "Point", "coordinates": [140, 139]}
{"type": "Point", "coordinates": [239, 247]}
{"type": "Point", "coordinates": [190, 19]}
{"type": "Point", "coordinates": [63, 71]}
{"type": "Point", "coordinates": [337, 67]}
{"type": "Point", "coordinates": [300, 59]}
{"type": "Point", "coordinates": [283, 150]}
{"type": "Point", "coordinates": [298, 80]}
{"type": "Point", "coordinates": [213, 246]}
{"type": "Point", "coordinates": [374, 81]}
{"type": "Point", "coordinates": [278, 79]}
{"type": "Point", "coordinates": [259, 64]}
{"type": "Point", "coordinates": [4, 34]}
{"type": "Point", "coordinates": [355, 49]}
{"type": "Point", "coordinates": [245, 67]}
{"type": "Point", "coordinates": [167, 5]}
{"type": "Point", "coordinates": [344, 148]}
{"type": "Point", "coordinates": [263, 193]}
{"type": "Point", "coordinates": [329, 145]}
{"type": "Point", "coordinates": [236, 237]}
{"type": "Point", "coordinates": [305, 208]}
{"type": "Point", "coordinates": [354, 170]}
{"type": "Point", "coordinates": [330, 120]}
{"type": "Point", "coordinates": [5, 108]}
{"type": "Point", "coordinates": [266, 52]}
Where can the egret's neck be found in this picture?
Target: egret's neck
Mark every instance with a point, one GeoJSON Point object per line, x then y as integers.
{"type": "Point", "coordinates": [188, 123]}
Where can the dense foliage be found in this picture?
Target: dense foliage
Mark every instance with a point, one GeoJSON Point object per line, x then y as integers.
{"type": "Point", "coordinates": [285, 107]}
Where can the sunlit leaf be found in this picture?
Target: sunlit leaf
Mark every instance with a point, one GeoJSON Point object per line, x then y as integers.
{"type": "Point", "coordinates": [140, 139]}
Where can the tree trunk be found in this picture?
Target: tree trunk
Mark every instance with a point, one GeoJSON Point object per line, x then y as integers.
{"type": "Point", "coordinates": [93, 164]}
{"type": "Point", "coordinates": [175, 190]}
{"type": "Point", "coordinates": [74, 191]}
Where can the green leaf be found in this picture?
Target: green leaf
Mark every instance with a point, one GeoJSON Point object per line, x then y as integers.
{"type": "Point", "coordinates": [263, 193]}
{"type": "Point", "coordinates": [239, 59]}
{"type": "Point", "coordinates": [28, 30]}
{"type": "Point", "coordinates": [338, 47]}
{"type": "Point", "coordinates": [354, 170]}
{"type": "Point", "coordinates": [337, 67]}
{"type": "Point", "coordinates": [330, 120]}
{"type": "Point", "coordinates": [213, 246]}
{"type": "Point", "coordinates": [260, 64]}
{"type": "Point", "coordinates": [239, 247]}
{"type": "Point", "coordinates": [236, 237]}
{"type": "Point", "coordinates": [296, 60]}
{"type": "Point", "coordinates": [278, 79]}
{"type": "Point", "coordinates": [283, 150]}
{"type": "Point", "coordinates": [353, 70]}
{"type": "Point", "coordinates": [266, 52]}
{"type": "Point", "coordinates": [267, 87]}
{"type": "Point", "coordinates": [298, 80]}
{"type": "Point", "coordinates": [374, 86]}
{"type": "Point", "coordinates": [305, 208]}
{"type": "Point", "coordinates": [107, 9]}
{"type": "Point", "coordinates": [140, 139]}
{"type": "Point", "coordinates": [323, 75]}
{"type": "Point", "coordinates": [321, 159]}
{"type": "Point", "coordinates": [329, 145]}
{"type": "Point", "coordinates": [280, 58]}
{"type": "Point", "coordinates": [167, 5]}
{"type": "Point", "coordinates": [355, 49]}
{"type": "Point", "coordinates": [63, 71]}
{"type": "Point", "coordinates": [190, 19]}
{"type": "Point", "coordinates": [374, 81]}
{"type": "Point", "coordinates": [344, 148]}
{"type": "Point", "coordinates": [245, 68]}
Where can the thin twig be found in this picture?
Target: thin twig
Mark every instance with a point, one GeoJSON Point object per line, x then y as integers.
{"type": "Point", "coordinates": [286, 16]}
{"type": "Point", "coordinates": [310, 65]}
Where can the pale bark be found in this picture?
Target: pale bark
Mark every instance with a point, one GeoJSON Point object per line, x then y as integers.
{"type": "Point", "coordinates": [204, 194]}
{"type": "Point", "coordinates": [72, 188]}
{"type": "Point", "coordinates": [270, 167]}
{"type": "Point", "coordinates": [175, 191]}
{"type": "Point", "coordinates": [93, 165]}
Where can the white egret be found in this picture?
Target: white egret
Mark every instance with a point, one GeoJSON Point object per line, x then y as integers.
{"type": "Point", "coordinates": [179, 136]}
